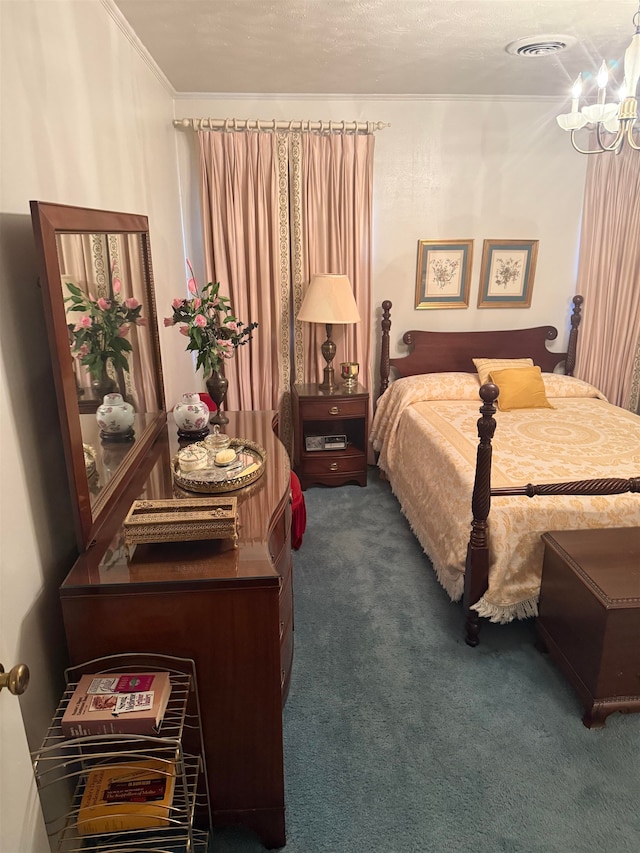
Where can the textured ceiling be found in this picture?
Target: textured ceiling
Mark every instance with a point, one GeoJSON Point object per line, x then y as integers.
{"type": "Point", "coordinates": [376, 47]}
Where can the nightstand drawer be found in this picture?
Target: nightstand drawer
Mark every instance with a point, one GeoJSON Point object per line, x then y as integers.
{"type": "Point", "coordinates": [327, 409]}
{"type": "Point", "coordinates": [332, 463]}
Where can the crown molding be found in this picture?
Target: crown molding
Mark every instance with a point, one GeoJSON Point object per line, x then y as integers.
{"type": "Point", "coordinates": [125, 28]}
{"type": "Point", "coordinates": [314, 96]}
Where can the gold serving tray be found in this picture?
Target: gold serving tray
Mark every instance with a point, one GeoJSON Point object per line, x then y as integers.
{"type": "Point", "coordinates": [215, 479]}
{"type": "Point", "coordinates": [181, 520]}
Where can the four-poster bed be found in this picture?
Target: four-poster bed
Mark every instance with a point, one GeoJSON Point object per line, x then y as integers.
{"type": "Point", "coordinates": [426, 431]}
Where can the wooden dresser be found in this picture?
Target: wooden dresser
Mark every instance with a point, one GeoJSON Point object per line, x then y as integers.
{"type": "Point", "coordinates": [230, 609]}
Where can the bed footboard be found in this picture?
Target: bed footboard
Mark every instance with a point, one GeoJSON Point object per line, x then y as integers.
{"type": "Point", "coordinates": [476, 578]}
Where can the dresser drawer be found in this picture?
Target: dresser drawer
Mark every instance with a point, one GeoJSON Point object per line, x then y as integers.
{"type": "Point", "coordinates": [286, 604]}
{"type": "Point", "coordinates": [279, 537]}
{"type": "Point", "coordinates": [286, 659]}
{"type": "Point", "coordinates": [327, 409]}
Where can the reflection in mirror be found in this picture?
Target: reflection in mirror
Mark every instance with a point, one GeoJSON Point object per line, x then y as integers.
{"type": "Point", "coordinates": [103, 288]}
{"type": "Point", "coordinates": [99, 304]}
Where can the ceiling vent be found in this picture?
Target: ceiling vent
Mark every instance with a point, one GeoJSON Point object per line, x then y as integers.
{"type": "Point", "coordinates": [540, 45]}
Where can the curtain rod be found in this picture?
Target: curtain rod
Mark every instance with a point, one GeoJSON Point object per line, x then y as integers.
{"type": "Point", "coordinates": [260, 124]}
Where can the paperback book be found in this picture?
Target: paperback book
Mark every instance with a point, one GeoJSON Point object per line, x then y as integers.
{"type": "Point", "coordinates": [117, 703]}
{"type": "Point", "coordinates": [127, 796]}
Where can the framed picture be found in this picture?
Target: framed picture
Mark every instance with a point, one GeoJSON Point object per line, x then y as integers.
{"type": "Point", "coordinates": [506, 276]}
{"type": "Point", "coordinates": [444, 273]}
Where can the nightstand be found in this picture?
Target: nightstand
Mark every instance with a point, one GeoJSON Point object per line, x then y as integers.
{"type": "Point", "coordinates": [321, 420]}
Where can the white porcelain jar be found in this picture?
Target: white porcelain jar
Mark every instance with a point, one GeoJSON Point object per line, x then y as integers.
{"type": "Point", "coordinates": [115, 417]}
{"type": "Point", "coordinates": [191, 415]}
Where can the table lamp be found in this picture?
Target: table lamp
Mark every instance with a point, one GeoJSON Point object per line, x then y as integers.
{"type": "Point", "coordinates": [329, 299]}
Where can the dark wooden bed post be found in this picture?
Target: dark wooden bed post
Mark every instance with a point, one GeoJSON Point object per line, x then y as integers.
{"type": "Point", "coordinates": [576, 316]}
{"type": "Point", "coordinates": [476, 575]}
{"type": "Point", "coordinates": [384, 347]}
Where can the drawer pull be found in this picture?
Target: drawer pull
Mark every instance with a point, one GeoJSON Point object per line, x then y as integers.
{"type": "Point", "coordinates": [333, 466]}
{"type": "Point", "coordinates": [334, 410]}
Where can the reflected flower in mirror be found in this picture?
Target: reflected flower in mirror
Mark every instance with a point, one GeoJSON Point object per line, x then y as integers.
{"type": "Point", "coordinates": [99, 337]}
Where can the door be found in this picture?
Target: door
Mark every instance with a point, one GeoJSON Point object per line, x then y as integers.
{"type": "Point", "coordinates": [21, 823]}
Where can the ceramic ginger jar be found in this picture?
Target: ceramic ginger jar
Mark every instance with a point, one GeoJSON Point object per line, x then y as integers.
{"type": "Point", "coordinates": [115, 418]}
{"type": "Point", "coordinates": [191, 415]}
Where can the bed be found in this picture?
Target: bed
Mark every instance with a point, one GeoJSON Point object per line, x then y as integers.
{"type": "Point", "coordinates": [479, 492]}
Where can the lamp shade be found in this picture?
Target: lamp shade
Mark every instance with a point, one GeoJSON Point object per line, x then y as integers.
{"type": "Point", "coordinates": [329, 299]}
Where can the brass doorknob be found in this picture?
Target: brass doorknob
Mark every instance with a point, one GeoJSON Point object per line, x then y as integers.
{"type": "Point", "coordinates": [17, 679]}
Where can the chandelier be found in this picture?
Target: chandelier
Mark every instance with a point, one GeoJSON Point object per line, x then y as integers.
{"type": "Point", "coordinates": [614, 118]}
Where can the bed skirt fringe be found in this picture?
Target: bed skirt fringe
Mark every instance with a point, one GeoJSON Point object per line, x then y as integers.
{"type": "Point", "coordinates": [453, 586]}
{"type": "Point", "coordinates": [506, 613]}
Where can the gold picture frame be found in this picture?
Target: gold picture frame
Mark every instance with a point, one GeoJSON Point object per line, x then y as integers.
{"type": "Point", "coordinates": [444, 273]}
{"type": "Point", "coordinates": [507, 273]}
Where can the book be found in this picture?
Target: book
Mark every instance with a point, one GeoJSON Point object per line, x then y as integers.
{"type": "Point", "coordinates": [117, 703]}
{"type": "Point", "coordinates": [127, 796]}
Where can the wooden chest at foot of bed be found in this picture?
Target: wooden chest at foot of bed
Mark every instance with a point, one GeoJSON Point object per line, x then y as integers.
{"type": "Point", "coordinates": [589, 616]}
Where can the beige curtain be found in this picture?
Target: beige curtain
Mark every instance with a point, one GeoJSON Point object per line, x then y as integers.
{"type": "Point", "coordinates": [634, 397]}
{"type": "Point", "coordinates": [336, 197]}
{"type": "Point", "coordinates": [244, 195]}
{"type": "Point", "coordinates": [609, 275]}
{"type": "Point", "coordinates": [278, 207]}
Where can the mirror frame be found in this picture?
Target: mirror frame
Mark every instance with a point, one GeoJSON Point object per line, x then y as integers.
{"type": "Point", "coordinates": [49, 220]}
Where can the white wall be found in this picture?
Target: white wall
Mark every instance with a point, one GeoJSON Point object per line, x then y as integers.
{"type": "Point", "coordinates": [447, 169]}
{"type": "Point", "coordinates": [85, 121]}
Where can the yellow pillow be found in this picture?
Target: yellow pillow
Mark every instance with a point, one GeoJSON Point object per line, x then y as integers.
{"type": "Point", "coordinates": [484, 366]}
{"type": "Point", "coordinates": [520, 388]}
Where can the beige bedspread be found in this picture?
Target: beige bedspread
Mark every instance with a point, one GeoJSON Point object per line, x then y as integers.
{"type": "Point", "coordinates": [426, 431]}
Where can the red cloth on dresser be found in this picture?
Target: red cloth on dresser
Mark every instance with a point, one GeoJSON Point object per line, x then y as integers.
{"type": "Point", "coordinates": [207, 399]}
{"type": "Point", "coordinates": [298, 513]}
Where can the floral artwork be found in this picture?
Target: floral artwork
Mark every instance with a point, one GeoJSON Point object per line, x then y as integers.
{"type": "Point", "coordinates": [506, 278]}
{"type": "Point", "coordinates": [443, 271]}
{"type": "Point", "coordinates": [508, 270]}
{"type": "Point", "coordinates": [99, 337]}
{"type": "Point", "coordinates": [206, 319]}
{"type": "Point", "coordinates": [444, 274]}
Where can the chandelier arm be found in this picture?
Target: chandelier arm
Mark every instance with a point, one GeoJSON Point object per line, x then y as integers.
{"type": "Point", "coordinates": [582, 150]}
{"type": "Point", "coordinates": [616, 142]}
{"type": "Point", "coordinates": [631, 138]}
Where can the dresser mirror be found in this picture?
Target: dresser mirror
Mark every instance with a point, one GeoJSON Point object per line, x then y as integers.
{"type": "Point", "coordinates": [97, 285]}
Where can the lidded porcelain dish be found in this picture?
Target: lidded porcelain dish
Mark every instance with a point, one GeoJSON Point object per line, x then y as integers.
{"type": "Point", "coordinates": [192, 458]}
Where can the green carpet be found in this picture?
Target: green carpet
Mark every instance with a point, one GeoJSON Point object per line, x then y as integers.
{"type": "Point", "coordinates": [399, 738]}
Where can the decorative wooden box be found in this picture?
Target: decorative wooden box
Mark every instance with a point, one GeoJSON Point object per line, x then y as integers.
{"type": "Point", "coordinates": [182, 520]}
{"type": "Point", "coordinates": [589, 615]}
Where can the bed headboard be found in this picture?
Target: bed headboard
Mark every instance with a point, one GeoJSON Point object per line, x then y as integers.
{"type": "Point", "coordinates": [439, 352]}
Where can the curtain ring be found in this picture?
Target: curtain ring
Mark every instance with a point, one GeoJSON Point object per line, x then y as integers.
{"type": "Point", "coordinates": [226, 124]}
